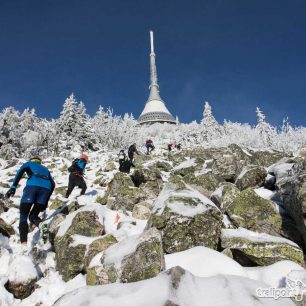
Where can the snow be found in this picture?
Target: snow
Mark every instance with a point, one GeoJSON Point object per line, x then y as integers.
{"type": "Point", "coordinates": [226, 221]}
{"type": "Point", "coordinates": [79, 239]}
{"type": "Point", "coordinates": [221, 290]}
{"type": "Point", "coordinates": [21, 269]}
{"type": "Point", "coordinates": [272, 196]}
{"type": "Point", "coordinates": [254, 236]}
{"type": "Point", "coordinates": [185, 164]}
{"type": "Point", "coordinates": [52, 287]}
{"type": "Point", "coordinates": [204, 262]}
{"type": "Point", "coordinates": [275, 274]}
{"type": "Point", "coordinates": [115, 253]}
{"type": "Point", "coordinates": [281, 170]}
{"type": "Point", "coordinates": [174, 200]}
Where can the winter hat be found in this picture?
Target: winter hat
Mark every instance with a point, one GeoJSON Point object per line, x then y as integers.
{"type": "Point", "coordinates": [84, 156]}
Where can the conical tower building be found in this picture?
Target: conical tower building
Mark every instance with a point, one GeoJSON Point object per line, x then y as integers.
{"type": "Point", "coordinates": [155, 109]}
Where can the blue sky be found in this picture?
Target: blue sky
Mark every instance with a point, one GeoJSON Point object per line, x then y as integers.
{"type": "Point", "coordinates": [236, 54]}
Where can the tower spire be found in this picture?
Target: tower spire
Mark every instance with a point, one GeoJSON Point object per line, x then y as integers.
{"type": "Point", "coordinates": [154, 88]}
{"type": "Point", "coordinates": [155, 109]}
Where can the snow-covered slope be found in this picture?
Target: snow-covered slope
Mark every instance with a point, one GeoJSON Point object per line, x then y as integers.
{"type": "Point", "coordinates": [210, 277]}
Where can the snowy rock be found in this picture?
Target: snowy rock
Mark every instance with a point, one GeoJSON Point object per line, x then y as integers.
{"type": "Point", "coordinates": [252, 248]}
{"type": "Point", "coordinates": [133, 259]}
{"type": "Point", "coordinates": [56, 203]}
{"type": "Point", "coordinates": [110, 166]}
{"type": "Point", "coordinates": [54, 225]}
{"type": "Point", "coordinates": [22, 277]}
{"type": "Point", "coordinates": [4, 204]}
{"type": "Point", "coordinates": [175, 287]}
{"type": "Point", "coordinates": [289, 184]}
{"type": "Point", "coordinates": [98, 246]}
{"type": "Point", "coordinates": [266, 158]}
{"type": "Point", "coordinates": [224, 195]}
{"type": "Point", "coordinates": [69, 256]}
{"type": "Point", "coordinates": [141, 212]}
{"type": "Point", "coordinates": [252, 212]}
{"type": "Point", "coordinates": [251, 176]}
{"type": "Point", "coordinates": [186, 167]}
{"type": "Point", "coordinates": [204, 262]}
{"type": "Point", "coordinates": [270, 181]}
{"type": "Point", "coordinates": [186, 218]}
{"type": "Point", "coordinates": [6, 229]}
{"type": "Point", "coordinates": [163, 166]}
{"type": "Point", "coordinates": [122, 193]}
{"type": "Point", "coordinates": [205, 183]}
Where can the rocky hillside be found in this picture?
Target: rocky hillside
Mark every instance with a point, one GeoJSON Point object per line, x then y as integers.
{"type": "Point", "coordinates": [184, 228]}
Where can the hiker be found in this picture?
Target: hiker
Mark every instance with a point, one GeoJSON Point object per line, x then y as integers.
{"type": "Point", "coordinates": [121, 157]}
{"type": "Point", "coordinates": [132, 150]}
{"type": "Point", "coordinates": [125, 166]}
{"type": "Point", "coordinates": [178, 146]}
{"type": "Point", "coordinates": [36, 194]}
{"type": "Point", "coordinates": [76, 175]}
{"type": "Point", "coordinates": [149, 145]}
{"type": "Point", "coordinates": [169, 147]}
{"type": "Point", "coordinates": [124, 162]}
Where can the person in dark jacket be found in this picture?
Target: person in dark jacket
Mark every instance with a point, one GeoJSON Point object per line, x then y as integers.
{"type": "Point", "coordinates": [76, 175]}
{"type": "Point", "coordinates": [36, 194]}
{"type": "Point", "coordinates": [132, 150]}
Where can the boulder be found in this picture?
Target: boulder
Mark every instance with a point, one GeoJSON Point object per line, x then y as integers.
{"type": "Point", "coordinates": [110, 166]}
{"type": "Point", "coordinates": [186, 167]}
{"type": "Point", "coordinates": [290, 178]}
{"type": "Point", "coordinates": [205, 183]}
{"type": "Point", "coordinates": [163, 166]}
{"type": "Point", "coordinates": [22, 277]}
{"type": "Point", "coordinates": [60, 190]}
{"type": "Point", "coordinates": [252, 248]}
{"type": "Point", "coordinates": [56, 204]}
{"type": "Point", "coordinates": [266, 158]}
{"type": "Point", "coordinates": [251, 176]}
{"type": "Point", "coordinates": [121, 193]}
{"type": "Point", "coordinates": [4, 203]}
{"type": "Point", "coordinates": [186, 218]}
{"type": "Point", "coordinates": [141, 212]}
{"type": "Point", "coordinates": [173, 287]}
{"type": "Point", "coordinates": [97, 246]}
{"type": "Point", "coordinates": [69, 252]}
{"type": "Point", "coordinates": [54, 225]}
{"type": "Point", "coordinates": [6, 229]}
{"type": "Point", "coordinates": [302, 196]}
{"type": "Point", "coordinates": [133, 259]}
{"type": "Point", "coordinates": [252, 212]}
{"type": "Point", "coordinates": [224, 195]}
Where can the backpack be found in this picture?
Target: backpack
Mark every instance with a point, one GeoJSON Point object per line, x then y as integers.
{"type": "Point", "coordinates": [73, 167]}
{"type": "Point", "coordinates": [125, 167]}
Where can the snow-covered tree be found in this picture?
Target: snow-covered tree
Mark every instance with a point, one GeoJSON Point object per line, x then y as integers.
{"type": "Point", "coordinates": [266, 132]}
{"type": "Point", "coordinates": [211, 128]}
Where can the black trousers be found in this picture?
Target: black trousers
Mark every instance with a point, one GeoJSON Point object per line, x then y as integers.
{"type": "Point", "coordinates": [32, 211]}
{"type": "Point", "coordinates": [76, 180]}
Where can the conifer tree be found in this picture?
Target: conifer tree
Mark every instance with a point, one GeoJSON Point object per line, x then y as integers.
{"type": "Point", "coordinates": [266, 132]}
{"type": "Point", "coordinates": [211, 128]}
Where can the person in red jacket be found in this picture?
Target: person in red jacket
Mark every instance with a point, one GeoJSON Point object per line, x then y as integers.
{"type": "Point", "coordinates": [149, 145]}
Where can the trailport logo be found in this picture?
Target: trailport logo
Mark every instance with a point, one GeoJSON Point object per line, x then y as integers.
{"type": "Point", "coordinates": [294, 288]}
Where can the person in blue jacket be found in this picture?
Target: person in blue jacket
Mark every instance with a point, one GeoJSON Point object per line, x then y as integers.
{"type": "Point", "coordinates": [36, 193]}
{"type": "Point", "coordinates": [76, 175]}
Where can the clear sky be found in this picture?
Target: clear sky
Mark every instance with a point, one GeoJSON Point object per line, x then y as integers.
{"type": "Point", "coordinates": [236, 54]}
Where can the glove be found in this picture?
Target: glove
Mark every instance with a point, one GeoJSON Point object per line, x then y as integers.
{"type": "Point", "coordinates": [10, 193]}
